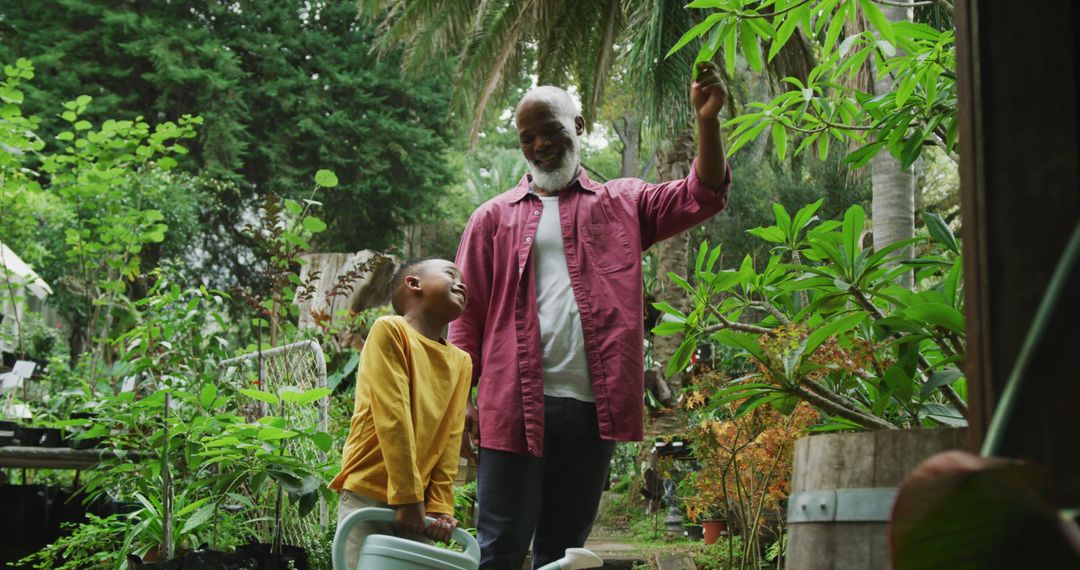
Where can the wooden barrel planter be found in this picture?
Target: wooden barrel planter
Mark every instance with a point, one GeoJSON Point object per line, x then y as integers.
{"type": "Point", "coordinates": [842, 490]}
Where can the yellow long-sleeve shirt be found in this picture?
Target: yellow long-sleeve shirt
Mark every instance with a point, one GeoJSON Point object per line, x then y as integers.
{"type": "Point", "coordinates": [406, 427]}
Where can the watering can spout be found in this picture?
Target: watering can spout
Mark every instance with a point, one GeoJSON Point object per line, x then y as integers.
{"type": "Point", "coordinates": [575, 558]}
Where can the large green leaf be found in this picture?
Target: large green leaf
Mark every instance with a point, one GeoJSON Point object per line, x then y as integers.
{"type": "Point", "coordinates": [668, 328]}
{"type": "Point", "coordinates": [805, 215]}
{"type": "Point", "coordinates": [832, 328]}
{"type": "Point", "coordinates": [938, 379]}
{"type": "Point", "coordinates": [305, 397]}
{"type": "Point", "coordinates": [201, 517]}
{"type": "Point", "coordinates": [940, 231]}
{"type": "Point", "coordinates": [938, 314]}
{"type": "Point", "coordinates": [744, 341]}
{"type": "Point", "coordinates": [260, 395]}
{"type": "Point", "coordinates": [772, 234]}
{"type": "Point", "coordinates": [854, 221]}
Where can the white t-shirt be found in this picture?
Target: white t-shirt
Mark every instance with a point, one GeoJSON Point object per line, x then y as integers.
{"type": "Point", "coordinates": [566, 370]}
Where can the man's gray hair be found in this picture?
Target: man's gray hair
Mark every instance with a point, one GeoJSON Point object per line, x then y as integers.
{"type": "Point", "coordinates": [558, 99]}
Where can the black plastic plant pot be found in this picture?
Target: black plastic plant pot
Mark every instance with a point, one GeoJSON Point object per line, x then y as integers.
{"type": "Point", "coordinates": [136, 563]}
{"type": "Point", "coordinates": [266, 561]}
{"type": "Point", "coordinates": [8, 433]}
{"type": "Point", "coordinates": [24, 526]}
{"type": "Point", "coordinates": [104, 506]}
{"type": "Point", "coordinates": [53, 437]}
{"type": "Point", "coordinates": [695, 532]}
{"type": "Point", "coordinates": [30, 436]}
{"type": "Point", "coordinates": [206, 559]}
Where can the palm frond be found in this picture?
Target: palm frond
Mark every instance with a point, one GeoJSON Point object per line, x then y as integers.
{"type": "Point", "coordinates": [490, 57]}
{"type": "Point", "coordinates": [655, 26]}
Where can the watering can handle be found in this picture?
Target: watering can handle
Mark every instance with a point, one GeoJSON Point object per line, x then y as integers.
{"type": "Point", "coordinates": [575, 558]}
{"type": "Point", "coordinates": [472, 548]}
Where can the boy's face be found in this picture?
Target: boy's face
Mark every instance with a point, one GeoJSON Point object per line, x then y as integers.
{"type": "Point", "coordinates": [442, 292]}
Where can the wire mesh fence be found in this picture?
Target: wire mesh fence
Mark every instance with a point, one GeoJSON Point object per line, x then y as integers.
{"type": "Point", "coordinates": [300, 365]}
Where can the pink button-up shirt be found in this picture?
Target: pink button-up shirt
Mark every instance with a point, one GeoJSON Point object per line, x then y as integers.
{"type": "Point", "coordinates": [605, 227]}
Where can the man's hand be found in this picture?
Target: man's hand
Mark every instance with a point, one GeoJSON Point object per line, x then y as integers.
{"type": "Point", "coordinates": [470, 438]}
{"type": "Point", "coordinates": [708, 93]}
{"type": "Point", "coordinates": [439, 530]}
{"type": "Point", "coordinates": [410, 517]}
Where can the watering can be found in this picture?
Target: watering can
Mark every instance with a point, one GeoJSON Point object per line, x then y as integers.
{"type": "Point", "coordinates": [384, 552]}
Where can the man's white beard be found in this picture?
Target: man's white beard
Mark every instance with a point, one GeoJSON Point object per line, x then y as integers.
{"type": "Point", "coordinates": [559, 177]}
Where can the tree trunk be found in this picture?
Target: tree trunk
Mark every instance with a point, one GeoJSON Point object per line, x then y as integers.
{"type": "Point", "coordinates": [628, 127]}
{"type": "Point", "coordinates": [673, 162]}
{"type": "Point", "coordinates": [893, 202]}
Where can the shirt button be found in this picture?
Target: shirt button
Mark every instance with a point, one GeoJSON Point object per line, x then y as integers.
{"type": "Point", "coordinates": [536, 212]}
{"type": "Point", "coordinates": [528, 239]}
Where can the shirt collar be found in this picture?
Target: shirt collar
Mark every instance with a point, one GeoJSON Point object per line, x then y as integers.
{"type": "Point", "coordinates": [525, 186]}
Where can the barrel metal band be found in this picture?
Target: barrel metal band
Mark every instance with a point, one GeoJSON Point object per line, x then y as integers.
{"type": "Point", "coordinates": [841, 505]}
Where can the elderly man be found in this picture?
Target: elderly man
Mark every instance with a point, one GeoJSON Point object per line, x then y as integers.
{"type": "Point", "coordinates": [554, 322]}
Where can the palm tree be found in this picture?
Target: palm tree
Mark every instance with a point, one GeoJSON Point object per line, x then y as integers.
{"type": "Point", "coordinates": [893, 201]}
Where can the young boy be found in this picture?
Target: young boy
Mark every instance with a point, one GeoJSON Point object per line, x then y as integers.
{"type": "Point", "coordinates": [405, 434]}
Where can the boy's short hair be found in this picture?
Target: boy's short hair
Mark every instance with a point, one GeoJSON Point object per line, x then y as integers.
{"type": "Point", "coordinates": [397, 282]}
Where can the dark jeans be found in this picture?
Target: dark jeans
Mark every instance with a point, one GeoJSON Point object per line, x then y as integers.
{"type": "Point", "coordinates": [551, 499]}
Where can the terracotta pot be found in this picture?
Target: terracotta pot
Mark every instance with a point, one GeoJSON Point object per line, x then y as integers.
{"type": "Point", "coordinates": [713, 530]}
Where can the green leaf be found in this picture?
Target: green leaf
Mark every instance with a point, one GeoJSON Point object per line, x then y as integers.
{"type": "Point", "coordinates": [314, 225]}
{"type": "Point", "coordinates": [832, 328]}
{"type": "Point", "coordinates": [207, 395]}
{"type": "Point", "coordinates": [805, 215]}
{"type": "Point", "coordinates": [665, 307]}
{"type": "Point", "coordinates": [861, 157]}
{"type": "Point", "coordinates": [201, 517]}
{"type": "Point", "coordinates": [783, 33]}
{"type": "Point", "coordinates": [750, 47]}
{"type": "Point", "coordinates": [668, 328]}
{"type": "Point", "coordinates": [944, 415]}
{"type": "Point", "coordinates": [744, 341]}
{"type": "Point", "coordinates": [166, 163]}
{"type": "Point", "coordinates": [681, 359]}
{"type": "Point", "coordinates": [783, 220]}
{"type": "Point", "coordinates": [260, 395]}
{"type": "Point", "coordinates": [273, 433]}
{"type": "Point", "coordinates": [836, 26]}
{"type": "Point", "coordinates": [304, 398]}
{"type": "Point", "coordinates": [730, 39]}
{"type": "Point", "coordinates": [326, 179]}
{"type": "Point", "coordinates": [854, 220]}
{"type": "Point", "coordinates": [293, 207]}
{"type": "Point", "coordinates": [694, 33]}
{"type": "Point", "coordinates": [323, 441]}
{"type": "Point", "coordinates": [779, 135]}
{"type": "Point", "coordinates": [940, 231]}
{"type": "Point", "coordinates": [938, 379]}
{"type": "Point", "coordinates": [770, 234]}
{"type": "Point", "coordinates": [938, 314]}
{"type": "Point", "coordinates": [878, 20]}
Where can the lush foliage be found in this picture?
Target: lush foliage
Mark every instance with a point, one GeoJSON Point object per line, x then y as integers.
{"type": "Point", "coordinates": [823, 321]}
{"type": "Point", "coordinates": [188, 444]}
{"type": "Point", "coordinates": [282, 86]}
{"type": "Point", "coordinates": [743, 465]}
{"type": "Point", "coordinates": [831, 104]}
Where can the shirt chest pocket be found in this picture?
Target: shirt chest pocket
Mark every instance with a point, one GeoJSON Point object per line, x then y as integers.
{"type": "Point", "coordinates": [607, 246]}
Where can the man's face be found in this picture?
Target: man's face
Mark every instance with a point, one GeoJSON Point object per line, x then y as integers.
{"type": "Point", "coordinates": [550, 144]}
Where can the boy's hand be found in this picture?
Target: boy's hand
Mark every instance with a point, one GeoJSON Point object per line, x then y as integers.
{"type": "Point", "coordinates": [708, 93]}
{"type": "Point", "coordinates": [410, 517]}
{"type": "Point", "coordinates": [439, 530]}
